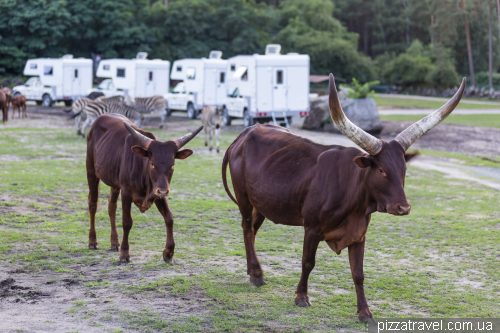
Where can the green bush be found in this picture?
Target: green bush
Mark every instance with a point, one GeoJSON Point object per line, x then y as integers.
{"type": "Point", "coordinates": [358, 91]}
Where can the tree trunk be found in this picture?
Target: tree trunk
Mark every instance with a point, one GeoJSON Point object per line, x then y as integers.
{"type": "Point", "coordinates": [491, 49]}
{"type": "Point", "coordinates": [469, 48]}
{"type": "Point", "coordinates": [166, 3]}
{"type": "Point", "coordinates": [432, 33]}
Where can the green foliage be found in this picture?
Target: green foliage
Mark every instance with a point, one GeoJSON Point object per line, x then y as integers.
{"type": "Point", "coordinates": [419, 66]}
{"type": "Point", "coordinates": [358, 91]}
{"type": "Point", "coordinates": [308, 27]}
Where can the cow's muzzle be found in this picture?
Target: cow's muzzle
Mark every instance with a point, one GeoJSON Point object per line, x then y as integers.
{"type": "Point", "coordinates": [162, 192]}
{"type": "Point", "coordinates": [400, 209]}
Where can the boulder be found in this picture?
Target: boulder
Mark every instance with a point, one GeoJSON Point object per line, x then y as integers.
{"type": "Point", "coordinates": [362, 112]}
{"type": "Point", "coordinates": [319, 111]}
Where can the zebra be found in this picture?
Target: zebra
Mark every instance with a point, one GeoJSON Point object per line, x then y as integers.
{"type": "Point", "coordinates": [211, 119]}
{"type": "Point", "coordinates": [95, 109]}
{"type": "Point", "coordinates": [153, 104]}
{"type": "Point", "coordinates": [77, 108]}
{"type": "Point", "coordinates": [79, 105]}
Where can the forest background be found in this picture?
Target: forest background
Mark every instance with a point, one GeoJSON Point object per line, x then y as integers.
{"type": "Point", "coordinates": [407, 43]}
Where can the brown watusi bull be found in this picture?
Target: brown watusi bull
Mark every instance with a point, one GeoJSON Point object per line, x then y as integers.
{"type": "Point", "coordinates": [19, 103]}
{"type": "Point", "coordinates": [132, 161]}
{"type": "Point", "coordinates": [329, 190]}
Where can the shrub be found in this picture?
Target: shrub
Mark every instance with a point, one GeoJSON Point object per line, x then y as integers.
{"type": "Point", "coordinates": [358, 91]}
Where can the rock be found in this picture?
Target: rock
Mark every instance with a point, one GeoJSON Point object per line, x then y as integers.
{"type": "Point", "coordinates": [362, 112]}
{"type": "Point", "coordinates": [320, 111]}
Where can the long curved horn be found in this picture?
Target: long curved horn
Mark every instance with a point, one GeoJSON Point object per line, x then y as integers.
{"type": "Point", "coordinates": [364, 140]}
{"type": "Point", "coordinates": [415, 131]}
{"type": "Point", "coordinates": [188, 137]}
{"type": "Point", "coordinates": [144, 141]}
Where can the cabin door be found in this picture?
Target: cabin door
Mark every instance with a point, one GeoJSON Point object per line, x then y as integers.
{"type": "Point", "coordinates": [150, 89]}
{"type": "Point", "coordinates": [220, 91]}
{"type": "Point", "coordinates": [279, 89]}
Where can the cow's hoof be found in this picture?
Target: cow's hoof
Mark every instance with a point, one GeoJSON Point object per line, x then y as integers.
{"type": "Point", "coordinates": [126, 259]}
{"type": "Point", "coordinates": [93, 246]}
{"type": "Point", "coordinates": [168, 259]}
{"type": "Point", "coordinates": [257, 281]}
{"type": "Point", "coordinates": [167, 256]}
{"type": "Point", "coordinates": [366, 316]}
{"type": "Point", "coordinates": [303, 302]}
{"type": "Point", "coordinates": [115, 247]}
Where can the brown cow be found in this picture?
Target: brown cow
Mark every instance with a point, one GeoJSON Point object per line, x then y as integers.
{"type": "Point", "coordinates": [5, 99]}
{"type": "Point", "coordinates": [329, 190]}
{"type": "Point", "coordinates": [132, 161]}
{"type": "Point", "coordinates": [19, 103]}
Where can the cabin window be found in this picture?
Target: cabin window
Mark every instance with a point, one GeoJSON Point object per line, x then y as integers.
{"type": "Point", "coordinates": [233, 67]}
{"type": "Point", "coordinates": [179, 68]}
{"type": "Point", "coordinates": [191, 73]}
{"type": "Point", "coordinates": [120, 72]}
{"type": "Point", "coordinates": [244, 77]}
{"type": "Point", "coordinates": [48, 70]}
{"type": "Point", "coordinates": [279, 77]}
{"type": "Point", "coordinates": [76, 73]}
{"type": "Point", "coordinates": [150, 76]}
{"type": "Point", "coordinates": [33, 66]}
{"type": "Point", "coordinates": [105, 67]}
{"type": "Point", "coordinates": [222, 77]}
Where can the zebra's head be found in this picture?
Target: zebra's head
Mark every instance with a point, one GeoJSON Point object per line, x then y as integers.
{"type": "Point", "coordinates": [161, 158]}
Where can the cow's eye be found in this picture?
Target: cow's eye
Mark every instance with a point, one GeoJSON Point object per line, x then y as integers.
{"type": "Point", "coordinates": [152, 165]}
{"type": "Point", "coordinates": [380, 170]}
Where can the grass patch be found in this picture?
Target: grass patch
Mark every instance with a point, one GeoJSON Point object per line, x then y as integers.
{"type": "Point", "coordinates": [426, 104]}
{"type": "Point", "coordinates": [482, 120]}
{"type": "Point", "coordinates": [440, 261]}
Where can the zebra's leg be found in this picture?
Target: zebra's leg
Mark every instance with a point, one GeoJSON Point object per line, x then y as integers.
{"type": "Point", "coordinates": [210, 138]}
{"type": "Point", "coordinates": [87, 122]}
{"type": "Point", "coordinates": [217, 135]}
{"type": "Point", "coordinates": [163, 116]}
{"type": "Point", "coordinates": [206, 136]}
{"type": "Point", "coordinates": [77, 124]}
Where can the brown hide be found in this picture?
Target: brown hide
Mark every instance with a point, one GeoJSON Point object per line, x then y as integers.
{"type": "Point", "coordinates": [133, 162]}
{"type": "Point", "coordinates": [4, 106]}
{"type": "Point", "coordinates": [326, 189]}
{"type": "Point", "coordinates": [19, 103]}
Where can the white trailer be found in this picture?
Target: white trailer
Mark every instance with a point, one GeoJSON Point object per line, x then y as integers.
{"type": "Point", "coordinates": [56, 79]}
{"type": "Point", "coordinates": [267, 87]}
{"type": "Point", "coordinates": [203, 82]}
{"type": "Point", "coordinates": [138, 77]}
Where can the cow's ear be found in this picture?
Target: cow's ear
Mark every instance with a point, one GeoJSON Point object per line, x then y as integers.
{"type": "Point", "coordinates": [139, 151]}
{"type": "Point", "coordinates": [362, 161]}
{"type": "Point", "coordinates": [408, 157]}
{"type": "Point", "coordinates": [185, 153]}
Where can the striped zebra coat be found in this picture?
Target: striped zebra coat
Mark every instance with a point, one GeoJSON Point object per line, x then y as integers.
{"type": "Point", "coordinates": [211, 119]}
{"type": "Point", "coordinates": [79, 105]}
{"type": "Point", "coordinates": [152, 104]}
{"type": "Point", "coordinates": [96, 109]}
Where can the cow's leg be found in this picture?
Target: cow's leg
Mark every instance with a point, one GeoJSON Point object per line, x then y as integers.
{"type": "Point", "coordinates": [127, 225]}
{"type": "Point", "coordinates": [113, 198]}
{"type": "Point", "coordinates": [164, 210]}
{"type": "Point", "coordinates": [93, 197]}
{"type": "Point", "coordinates": [312, 238]}
{"type": "Point", "coordinates": [217, 135]}
{"type": "Point", "coordinates": [251, 218]}
{"type": "Point", "coordinates": [356, 254]}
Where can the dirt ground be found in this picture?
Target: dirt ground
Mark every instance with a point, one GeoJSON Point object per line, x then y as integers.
{"type": "Point", "coordinates": [445, 137]}
{"type": "Point", "coordinates": [451, 138]}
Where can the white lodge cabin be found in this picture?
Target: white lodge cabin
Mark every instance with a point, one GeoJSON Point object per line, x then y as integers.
{"type": "Point", "coordinates": [56, 79]}
{"type": "Point", "coordinates": [203, 82]}
{"type": "Point", "coordinates": [138, 77]}
{"type": "Point", "coordinates": [267, 87]}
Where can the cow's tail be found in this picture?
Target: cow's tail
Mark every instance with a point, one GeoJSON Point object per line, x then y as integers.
{"type": "Point", "coordinates": [224, 174]}
{"type": "Point", "coordinates": [75, 115]}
